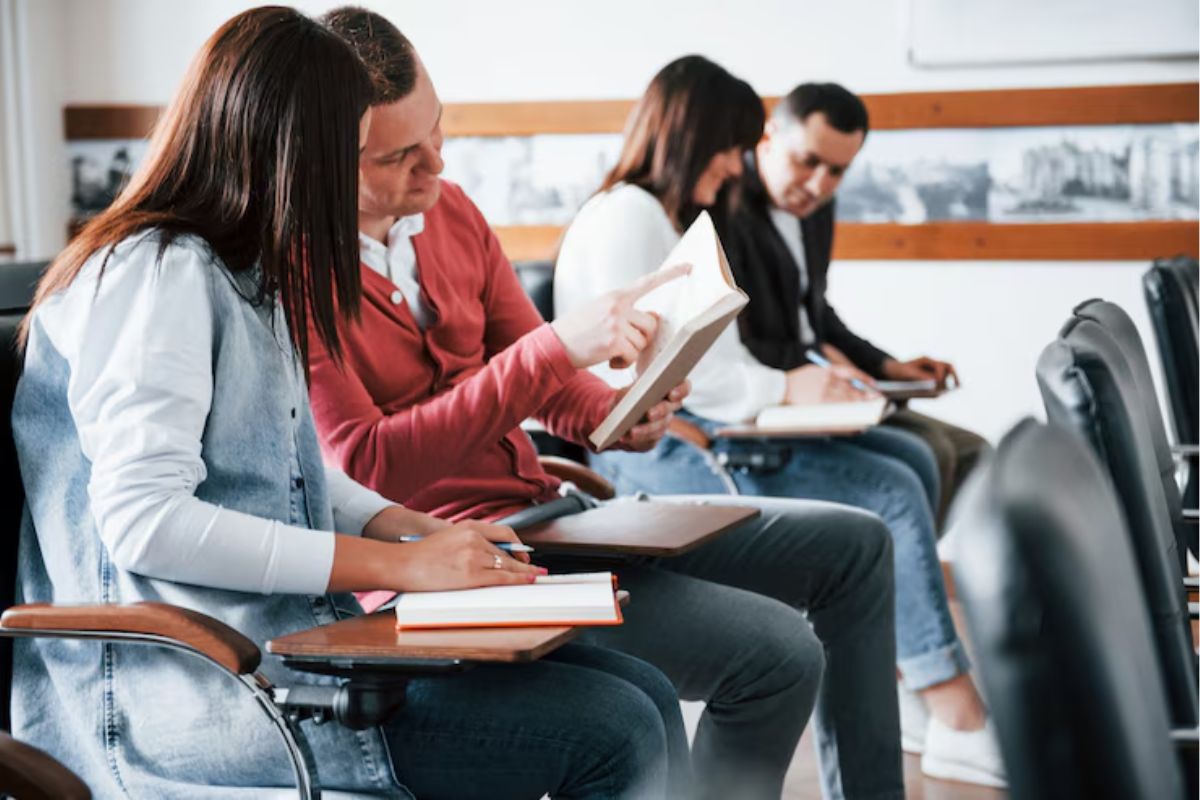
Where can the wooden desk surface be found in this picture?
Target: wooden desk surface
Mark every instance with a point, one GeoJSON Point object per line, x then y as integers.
{"type": "Point", "coordinates": [632, 527]}
{"type": "Point", "coordinates": [374, 636]}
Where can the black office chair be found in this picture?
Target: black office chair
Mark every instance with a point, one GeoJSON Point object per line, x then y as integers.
{"type": "Point", "coordinates": [1170, 286]}
{"type": "Point", "coordinates": [365, 699]}
{"type": "Point", "coordinates": [1089, 388]}
{"type": "Point", "coordinates": [1062, 633]}
{"type": "Point", "coordinates": [1113, 319]}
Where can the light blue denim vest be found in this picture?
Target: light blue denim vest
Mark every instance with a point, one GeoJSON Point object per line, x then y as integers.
{"type": "Point", "coordinates": [138, 721]}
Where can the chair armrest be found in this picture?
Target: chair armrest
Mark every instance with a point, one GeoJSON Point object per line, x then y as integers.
{"type": "Point", "coordinates": [147, 621]}
{"type": "Point", "coordinates": [1186, 450]}
{"type": "Point", "coordinates": [689, 432]}
{"type": "Point", "coordinates": [1191, 581]}
{"type": "Point", "coordinates": [30, 774]}
{"type": "Point", "coordinates": [1191, 515]}
{"type": "Point", "coordinates": [1194, 610]}
{"type": "Point", "coordinates": [587, 480]}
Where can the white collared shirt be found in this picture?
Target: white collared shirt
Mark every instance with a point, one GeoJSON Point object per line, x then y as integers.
{"type": "Point", "coordinates": [789, 229]}
{"type": "Point", "coordinates": [397, 261]}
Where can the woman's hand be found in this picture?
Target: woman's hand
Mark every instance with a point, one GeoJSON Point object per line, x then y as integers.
{"type": "Point", "coordinates": [460, 557]}
{"type": "Point", "coordinates": [811, 384]}
{"type": "Point", "coordinates": [457, 556]}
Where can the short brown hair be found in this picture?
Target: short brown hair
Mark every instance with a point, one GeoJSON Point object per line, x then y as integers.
{"type": "Point", "coordinates": [388, 55]}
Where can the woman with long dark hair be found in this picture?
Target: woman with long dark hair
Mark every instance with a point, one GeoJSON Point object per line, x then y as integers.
{"type": "Point", "coordinates": [684, 145]}
{"type": "Point", "coordinates": [168, 454]}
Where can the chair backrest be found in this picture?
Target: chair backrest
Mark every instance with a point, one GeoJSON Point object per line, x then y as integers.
{"type": "Point", "coordinates": [1170, 289]}
{"type": "Point", "coordinates": [17, 282]}
{"type": "Point", "coordinates": [1059, 625]}
{"type": "Point", "coordinates": [1088, 387]}
{"type": "Point", "coordinates": [537, 278]}
{"type": "Point", "coordinates": [1120, 326]}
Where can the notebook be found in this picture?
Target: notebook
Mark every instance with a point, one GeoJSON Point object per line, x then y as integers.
{"type": "Point", "coordinates": [583, 599]}
{"type": "Point", "coordinates": [693, 310]}
{"type": "Point", "coordinates": [814, 419]}
{"type": "Point", "coordinates": [912, 390]}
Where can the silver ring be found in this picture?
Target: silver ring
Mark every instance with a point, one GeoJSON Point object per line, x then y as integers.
{"type": "Point", "coordinates": [497, 563]}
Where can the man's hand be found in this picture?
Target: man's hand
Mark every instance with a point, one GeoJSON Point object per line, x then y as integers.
{"type": "Point", "coordinates": [609, 328]}
{"type": "Point", "coordinates": [920, 369]}
{"type": "Point", "coordinates": [647, 433]}
{"type": "Point", "coordinates": [811, 384]}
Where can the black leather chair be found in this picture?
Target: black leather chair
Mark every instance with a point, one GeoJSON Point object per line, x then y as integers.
{"type": "Point", "coordinates": [1089, 388]}
{"type": "Point", "coordinates": [1120, 326]}
{"type": "Point", "coordinates": [1062, 633]}
{"type": "Point", "coordinates": [1170, 286]}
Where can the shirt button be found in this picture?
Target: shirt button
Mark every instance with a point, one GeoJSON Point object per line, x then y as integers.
{"type": "Point", "coordinates": [299, 483]}
{"type": "Point", "coordinates": [293, 413]}
{"type": "Point", "coordinates": [397, 297]}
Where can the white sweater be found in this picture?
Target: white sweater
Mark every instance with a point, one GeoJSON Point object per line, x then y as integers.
{"type": "Point", "coordinates": [617, 237]}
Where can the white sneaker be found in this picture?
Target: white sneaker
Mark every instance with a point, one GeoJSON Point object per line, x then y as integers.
{"type": "Point", "coordinates": [914, 719]}
{"type": "Point", "coordinates": [966, 756]}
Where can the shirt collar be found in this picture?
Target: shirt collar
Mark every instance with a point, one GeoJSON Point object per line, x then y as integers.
{"type": "Point", "coordinates": [403, 228]}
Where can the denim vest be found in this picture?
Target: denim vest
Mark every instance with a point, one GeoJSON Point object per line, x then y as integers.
{"type": "Point", "coordinates": [139, 721]}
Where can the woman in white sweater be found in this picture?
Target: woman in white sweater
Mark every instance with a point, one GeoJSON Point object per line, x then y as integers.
{"type": "Point", "coordinates": [672, 165]}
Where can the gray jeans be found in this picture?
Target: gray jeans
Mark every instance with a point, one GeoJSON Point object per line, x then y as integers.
{"type": "Point", "coordinates": [790, 610]}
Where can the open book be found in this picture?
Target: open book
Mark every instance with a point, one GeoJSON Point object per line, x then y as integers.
{"type": "Point", "coordinates": [583, 599]}
{"type": "Point", "coordinates": [814, 419]}
{"type": "Point", "coordinates": [692, 310]}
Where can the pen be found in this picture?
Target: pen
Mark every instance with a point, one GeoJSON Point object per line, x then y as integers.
{"type": "Point", "coordinates": [508, 547]}
{"type": "Point", "coordinates": [822, 361]}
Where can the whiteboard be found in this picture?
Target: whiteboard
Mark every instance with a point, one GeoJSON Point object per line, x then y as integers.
{"type": "Point", "coordinates": [979, 32]}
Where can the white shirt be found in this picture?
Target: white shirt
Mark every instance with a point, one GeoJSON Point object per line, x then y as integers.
{"type": "Point", "coordinates": [623, 234]}
{"type": "Point", "coordinates": [793, 237]}
{"type": "Point", "coordinates": [140, 357]}
{"type": "Point", "coordinates": [397, 261]}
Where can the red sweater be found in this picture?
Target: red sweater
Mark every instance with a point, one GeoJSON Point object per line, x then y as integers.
{"type": "Point", "coordinates": [431, 418]}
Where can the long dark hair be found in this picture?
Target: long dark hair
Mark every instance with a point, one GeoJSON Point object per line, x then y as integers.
{"type": "Point", "coordinates": [258, 155]}
{"type": "Point", "coordinates": [692, 110]}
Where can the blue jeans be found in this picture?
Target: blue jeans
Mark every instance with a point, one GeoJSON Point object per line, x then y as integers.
{"type": "Point", "coordinates": [583, 722]}
{"type": "Point", "coordinates": [928, 650]}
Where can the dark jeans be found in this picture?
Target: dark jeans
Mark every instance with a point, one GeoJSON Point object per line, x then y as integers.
{"type": "Point", "coordinates": [727, 623]}
{"type": "Point", "coordinates": [583, 722]}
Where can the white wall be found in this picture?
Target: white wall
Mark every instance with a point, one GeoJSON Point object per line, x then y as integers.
{"type": "Point", "coordinates": [990, 318]}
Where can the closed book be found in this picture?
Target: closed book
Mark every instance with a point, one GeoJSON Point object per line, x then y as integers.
{"type": "Point", "coordinates": [584, 599]}
{"type": "Point", "coordinates": [692, 311]}
{"type": "Point", "coordinates": [816, 419]}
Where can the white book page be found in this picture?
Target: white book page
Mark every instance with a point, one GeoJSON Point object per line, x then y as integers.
{"type": "Point", "coordinates": [680, 301]}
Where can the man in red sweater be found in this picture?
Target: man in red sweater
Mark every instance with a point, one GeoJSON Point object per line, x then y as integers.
{"type": "Point", "coordinates": [448, 359]}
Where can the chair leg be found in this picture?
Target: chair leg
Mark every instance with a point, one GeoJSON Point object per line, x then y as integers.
{"type": "Point", "coordinates": [294, 740]}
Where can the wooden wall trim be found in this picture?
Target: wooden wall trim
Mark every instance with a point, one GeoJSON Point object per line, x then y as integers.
{"type": "Point", "coordinates": [108, 121]}
{"type": "Point", "coordinates": [1092, 105]}
{"type": "Point", "coordinates": [955, 241]}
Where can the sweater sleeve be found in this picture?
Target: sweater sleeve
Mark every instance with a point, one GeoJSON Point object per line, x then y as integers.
{"type": "Point", "coordinates": [400, 453]}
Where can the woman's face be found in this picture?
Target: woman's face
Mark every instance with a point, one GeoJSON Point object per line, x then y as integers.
{"type": "Point", "coordinates": [724, 166]}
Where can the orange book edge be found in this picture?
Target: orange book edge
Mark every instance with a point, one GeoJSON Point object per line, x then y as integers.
{"type": "Point", "coordinates": [590, 623]}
